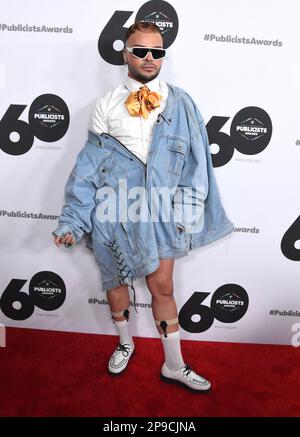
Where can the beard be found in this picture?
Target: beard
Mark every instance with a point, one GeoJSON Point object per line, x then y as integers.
{"type": "Point", "coordinates": [140, 77]}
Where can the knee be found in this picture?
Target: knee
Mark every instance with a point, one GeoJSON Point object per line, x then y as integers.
{"type": "Point", "coordinates": [117, 293]}
{"type": "Point", "coordinates": [160, 287]}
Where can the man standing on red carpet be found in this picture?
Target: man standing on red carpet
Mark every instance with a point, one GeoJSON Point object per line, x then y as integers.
{"type": "Point", "coordinates": [122, 143]}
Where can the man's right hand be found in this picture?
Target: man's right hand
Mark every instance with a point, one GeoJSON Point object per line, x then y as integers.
{"type": "Point", "coordinates": [66, 239]}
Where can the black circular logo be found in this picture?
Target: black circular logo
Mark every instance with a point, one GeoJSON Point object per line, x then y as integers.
{"type": "Point", "coordinates": [229, 303]}
{"type": "Point", "coordinates": [47, 290]}
{"type": "Point", "coordinates": [49, 117]}
{"type": "Point", "coordinates": [163, 15]}
{"type": "Point", "coordinates": [251, 130]}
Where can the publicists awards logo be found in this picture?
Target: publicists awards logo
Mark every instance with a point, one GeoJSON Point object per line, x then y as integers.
{"type": "Point", "coordinates": [250, 134]}
{"type": "Point", "coordinates": [48, 120]}
{"type": "Point", "coordinates": [112, 38]}
{"type": "Point", "coordinates": [47, 291]}
{"type": "Point", "coordinates": [49, 116]}
{"type": "Point", "coordinates": [229, 303]}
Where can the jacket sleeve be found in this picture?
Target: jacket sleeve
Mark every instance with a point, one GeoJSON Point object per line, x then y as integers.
{"type": "Point", "coordinates": [79, 198]}
{"type": "Point", "coordinates": [192, 190]}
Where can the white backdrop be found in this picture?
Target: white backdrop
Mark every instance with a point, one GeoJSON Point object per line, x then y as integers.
{"type": "Point", "coordinates": [260, 192]}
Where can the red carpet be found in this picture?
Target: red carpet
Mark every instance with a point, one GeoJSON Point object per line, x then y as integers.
{"type": "Point", "coordinates": [46, 373]}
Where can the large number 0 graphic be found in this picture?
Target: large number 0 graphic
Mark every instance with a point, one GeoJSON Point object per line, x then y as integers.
{"type": "Point", "coordinates": [229, 304]}
{"type": "Point", "coordinates": [250, 133]}
{"type": "Point", "coordinates": [46, 291]}
{"type": "Point", "coordinates": [114, 30]}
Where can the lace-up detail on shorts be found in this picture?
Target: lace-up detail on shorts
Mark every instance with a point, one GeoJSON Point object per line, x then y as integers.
{"type": "Point", "coordinates": [125, 274]}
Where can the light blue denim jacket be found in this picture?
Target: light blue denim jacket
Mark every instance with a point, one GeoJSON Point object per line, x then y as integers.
{"type": "Point", "coordinates": [179, 157]}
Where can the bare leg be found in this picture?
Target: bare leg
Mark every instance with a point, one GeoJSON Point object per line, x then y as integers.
{"type": "Point", "coordinates": [164, 310]}
{"type": "Point", "coordinates": [174, 369]}
{"type": "Point", "coordinates": [118, 299]}
{"type": "Point", "coordinates": [160, 284]}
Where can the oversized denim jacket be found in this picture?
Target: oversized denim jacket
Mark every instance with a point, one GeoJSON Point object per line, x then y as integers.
{"type": "Point", "coordinates": [179, 157]}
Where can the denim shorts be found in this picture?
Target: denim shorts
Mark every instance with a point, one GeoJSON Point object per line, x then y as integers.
{"type": "Point", "coordinates": [119, 266]}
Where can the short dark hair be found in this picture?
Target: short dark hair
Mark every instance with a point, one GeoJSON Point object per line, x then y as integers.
{"type": "Point", "coordinates": [142, 26]}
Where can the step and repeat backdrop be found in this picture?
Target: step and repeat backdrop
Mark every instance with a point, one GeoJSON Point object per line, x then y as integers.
{"type": "Point", "coordinates": [241, 65]}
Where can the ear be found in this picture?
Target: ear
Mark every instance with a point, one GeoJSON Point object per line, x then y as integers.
{"type": "Point", "coordinates": [124, 56]}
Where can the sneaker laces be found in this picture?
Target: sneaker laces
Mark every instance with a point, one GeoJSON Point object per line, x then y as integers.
{"type": "Point", "coordinates": [187, 369]}
{"type": "Point", "coordinates": [125, 348]}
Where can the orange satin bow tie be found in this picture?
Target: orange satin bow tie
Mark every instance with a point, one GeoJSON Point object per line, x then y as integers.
{"type": "Point", "coordinates": [142, 102]}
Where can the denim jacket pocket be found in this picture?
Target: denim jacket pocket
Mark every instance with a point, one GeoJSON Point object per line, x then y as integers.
{"type": "Point", "coordinates": [135, 241]}
{"type": "Point", "coordinates": [105, 173]}
{"type": "Point", "coordinates": [176, 154]}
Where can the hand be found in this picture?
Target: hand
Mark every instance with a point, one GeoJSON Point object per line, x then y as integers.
{"type": "Point", "coordinates": [66, 239]}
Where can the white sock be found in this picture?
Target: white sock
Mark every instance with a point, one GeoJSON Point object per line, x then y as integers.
{"type": "Point", "coordinates": [172, 349]}
{"type": "Point", "coordinates": [124, 332]}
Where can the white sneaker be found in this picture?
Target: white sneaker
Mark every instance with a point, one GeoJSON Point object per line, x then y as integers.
{"type": "Point", "coordinates": [185, 377]}
{"type": "Point", "coordinates": [120, 358]}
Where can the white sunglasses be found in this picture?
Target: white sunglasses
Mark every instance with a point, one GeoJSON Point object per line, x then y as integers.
{"type": "Point", "coordinates": [142, 52]}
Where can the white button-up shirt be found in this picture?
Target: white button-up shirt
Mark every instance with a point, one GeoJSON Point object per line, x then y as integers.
{"type": "Point", "coordinates": [110, 115]}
